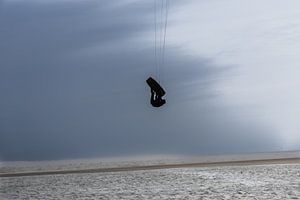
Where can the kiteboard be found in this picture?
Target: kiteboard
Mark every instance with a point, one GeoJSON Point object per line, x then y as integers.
{"type": "Point", "coordinates": [154, 85]}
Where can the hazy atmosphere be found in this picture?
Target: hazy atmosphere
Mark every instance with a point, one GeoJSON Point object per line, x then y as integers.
{"type": "Point", "coordinates": [72, 78]}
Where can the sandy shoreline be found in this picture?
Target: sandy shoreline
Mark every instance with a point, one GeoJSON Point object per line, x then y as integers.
{"type": "Point", "coordinates": [159, 166]}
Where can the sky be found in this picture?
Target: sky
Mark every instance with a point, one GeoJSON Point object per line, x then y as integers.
{"type": "Point", "coordinates": [72, 78]}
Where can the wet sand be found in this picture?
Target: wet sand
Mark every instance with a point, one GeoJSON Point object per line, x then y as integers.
{"type": "Point", "coordinates": [158, 166]}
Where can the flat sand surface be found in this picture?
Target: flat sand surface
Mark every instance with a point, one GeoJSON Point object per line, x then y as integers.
{"type": "Point", "coordinates": [261, 180]}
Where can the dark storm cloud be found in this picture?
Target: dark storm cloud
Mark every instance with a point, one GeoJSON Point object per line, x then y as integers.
{"type": "Point", "coordinates": [72, 83]}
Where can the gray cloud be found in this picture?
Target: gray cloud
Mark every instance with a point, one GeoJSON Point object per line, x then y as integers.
{"type": "Point", "coordinates": [72, 84]}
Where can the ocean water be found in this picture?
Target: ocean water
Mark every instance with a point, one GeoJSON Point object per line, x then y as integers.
{"type": "Point", "coordinates": [281, 181]}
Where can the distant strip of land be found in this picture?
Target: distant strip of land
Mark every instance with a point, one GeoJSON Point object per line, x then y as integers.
{"type": "Point", "coordinates": [160, 166]}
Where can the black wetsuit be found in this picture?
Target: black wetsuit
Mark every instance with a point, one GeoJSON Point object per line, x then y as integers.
{"type": "Point", "coordinates": [156, 100]}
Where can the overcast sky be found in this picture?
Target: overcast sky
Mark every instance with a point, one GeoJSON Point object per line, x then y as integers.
{"type": "Point", "coordinates": [72, 78]}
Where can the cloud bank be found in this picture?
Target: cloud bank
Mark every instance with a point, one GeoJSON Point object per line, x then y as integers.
{"type": "Point", "coordinates": [72, 84]}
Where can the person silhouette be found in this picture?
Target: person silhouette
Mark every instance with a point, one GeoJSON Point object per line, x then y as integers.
{"type": "Point", "coordinates": [157, 92]}
{"type": "Point", "coordinates": [156, 100]}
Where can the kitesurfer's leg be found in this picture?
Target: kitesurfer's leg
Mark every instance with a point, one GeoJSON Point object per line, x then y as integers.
{"type": "Point", "coordinates": [152, 97]}
{"type": "Point", "coordinates": [157, 96]}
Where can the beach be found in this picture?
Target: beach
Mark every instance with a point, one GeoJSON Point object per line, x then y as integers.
{"type": "Point", "coordinates": [249, 179]}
